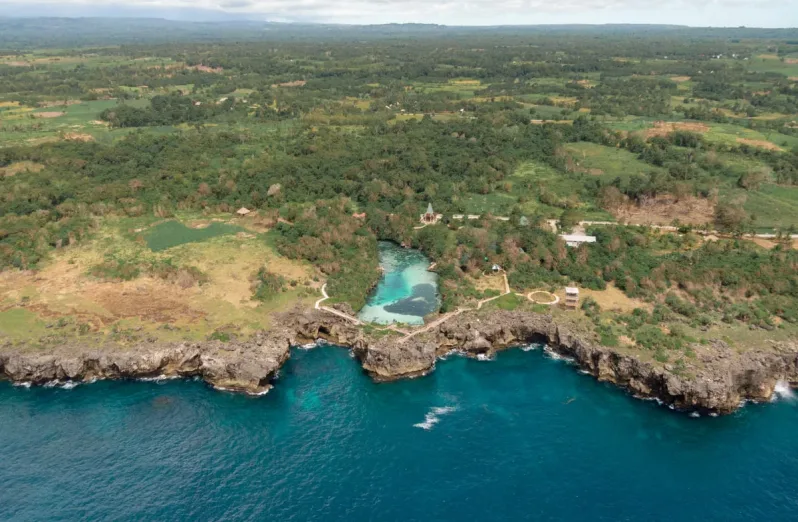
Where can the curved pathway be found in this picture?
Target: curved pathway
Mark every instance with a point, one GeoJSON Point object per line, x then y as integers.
{"type": "Point", "coordinates": [333, 311]}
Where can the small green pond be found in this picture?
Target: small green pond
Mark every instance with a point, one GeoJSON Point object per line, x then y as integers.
{"type": "Point", "coordinates": [173, 233]}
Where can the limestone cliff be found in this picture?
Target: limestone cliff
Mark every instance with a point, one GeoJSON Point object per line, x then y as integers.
{"type": "Point", "coordinates": [717, 380]}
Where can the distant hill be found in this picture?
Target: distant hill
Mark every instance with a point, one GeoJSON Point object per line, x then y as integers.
{"type": "Point", "coordinates": [21, 31]}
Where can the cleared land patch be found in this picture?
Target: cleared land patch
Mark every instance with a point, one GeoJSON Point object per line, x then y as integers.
{"type": "Point", "coordinates": [48, 114]}
{"type": "Point", "coordinates": [762, 144]}
{"type": "Point", "coordinates": [666, 209]}
{"type": "Point", "coordinates": [20, 167]}
{"type": "Point", "coordinates": [64, 300]}
{"type": "Point", "coordinates": [662, 128]}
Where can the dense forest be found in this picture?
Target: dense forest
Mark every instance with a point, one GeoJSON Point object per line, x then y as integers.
{"type": "Point", "coordinates": [344, 139]}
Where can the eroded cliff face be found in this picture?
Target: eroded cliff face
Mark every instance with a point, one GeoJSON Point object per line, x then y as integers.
{"type": "Point", "coordinates": [246, 366]}
{"type": "Point", "coordinates": [719, 380]}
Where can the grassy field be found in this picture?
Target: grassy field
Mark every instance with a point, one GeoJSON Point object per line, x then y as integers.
{"type": "Point", "coordinates": [73, 120]}
{"type": "Point", "coordinates": [607, 163]}
{"type": "Point", "coordinates": [65, 300]}
{"type": "Point", "coordinates": [539, 186]}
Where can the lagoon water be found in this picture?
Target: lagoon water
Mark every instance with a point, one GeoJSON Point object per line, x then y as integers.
{"type": "Point", "coordinates": [406, 292]}
{"type": "Point", "coordinates": [521, 437]}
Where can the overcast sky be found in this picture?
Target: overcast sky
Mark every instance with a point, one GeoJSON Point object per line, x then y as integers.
{"type": "Point", "coordinates": [751, 13]}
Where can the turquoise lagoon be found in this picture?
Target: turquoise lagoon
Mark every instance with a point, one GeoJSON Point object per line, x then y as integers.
{"type": "Point", "coordinates": [406, 292]}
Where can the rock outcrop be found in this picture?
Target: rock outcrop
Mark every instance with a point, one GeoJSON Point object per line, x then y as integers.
{"type": "Point", "coordinates": [239, 366]}
{"type": "Point", "coordinates": [717, 380]}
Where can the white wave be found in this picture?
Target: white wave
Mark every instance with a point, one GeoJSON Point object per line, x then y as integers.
{"type": "Point", "coordinates": [66, 385]}
{"type": "Point", "coordinates": [484, 357]}
{"type": "Point", "coordinates": [259, 394]}
{"type": "Point", "coordinates": [556, 356]}
{"type": "Point", "coordinates": [454, 351]}
{"type": "Point", "coordinates": [433, 417]}
{"type": "Point", "coordinates": [160, 379]}
{"type": "Point", "coordinates": [783, 391]}
{"type": "Point", "coordinates": [530, 347]}
{"type": "Point", "coordinates": [22, 384]}
{"type": "Point", "coordinates": [695, 414]}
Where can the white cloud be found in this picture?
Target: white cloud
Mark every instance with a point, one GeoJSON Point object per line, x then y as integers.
{"type": "Point", "coordinates": [488, 12]}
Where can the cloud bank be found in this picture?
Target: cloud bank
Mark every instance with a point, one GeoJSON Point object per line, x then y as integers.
{"type": "Point", "coordinates": [766, 13]}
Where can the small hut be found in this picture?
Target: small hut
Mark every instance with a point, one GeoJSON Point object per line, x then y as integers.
{"type": "Point", "coordinates": [243, 211]}
{"type": "Point", "coordinates": [571, 297]}
{"type": "Point", "coordinates": [430, 217]}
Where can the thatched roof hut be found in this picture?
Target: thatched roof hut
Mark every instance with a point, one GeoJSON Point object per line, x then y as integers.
{"type": "Point", "coordinates": [243, 211]}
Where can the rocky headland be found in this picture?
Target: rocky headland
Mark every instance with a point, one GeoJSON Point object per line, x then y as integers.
{"type": "Point", "coordinates": [718, 380]}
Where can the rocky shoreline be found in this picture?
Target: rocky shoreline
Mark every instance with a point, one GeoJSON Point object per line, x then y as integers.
{"type": "Point", "coordinates": [718, 381]}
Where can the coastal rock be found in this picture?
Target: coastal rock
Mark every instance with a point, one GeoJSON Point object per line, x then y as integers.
{"type": "Point", "coordinates": [717, 380]}
{"type": "Point", "coordinates": [247, 367]}
{"type": "Point", "coordinates": [388, 360]}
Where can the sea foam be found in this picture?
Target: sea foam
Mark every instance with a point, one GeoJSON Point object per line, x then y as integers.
{"type": "Point", "coordinates": [433, 417]}
{"type": "Point", "coordinates": [783, 391]}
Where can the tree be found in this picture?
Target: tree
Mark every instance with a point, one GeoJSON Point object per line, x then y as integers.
{"type": "Point", "coordinates": [570, 218]}
{"type": "Point", "coordinates": [731, 217]}
{"type": "Point", "coordinates": [752, 179]}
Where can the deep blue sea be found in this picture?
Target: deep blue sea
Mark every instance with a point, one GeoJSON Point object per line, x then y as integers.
{"type": "Point", "coordinates": [521, 437]}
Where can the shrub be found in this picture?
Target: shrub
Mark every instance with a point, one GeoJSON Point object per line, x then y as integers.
{"type": "Point", "coordinates": [267, 285]}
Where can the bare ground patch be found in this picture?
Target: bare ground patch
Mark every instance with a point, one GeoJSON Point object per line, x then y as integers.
{"type": "Point", "coordinates": [77, 136]}
{"type": "Point", "coordinates": [295, 83]}
{"type": "Point", "coordinates": [762, 144]}
{"type": "Point", "coordinates": [60, 103]}
{"type": "Point", "coordinates": [489, 282]}
{"type": "Point", "coordinates": [665, 209]}
{"type": "Point", "coordinates": [20, 167]}
{"type": "Point", "coordinates": [662, 128]}
{"type": "Point", "coordinates": [680, 79]}
{"type": "Point", "coordinates": [47, 115]}
{"type": "Point", "coordinates": [611, 299]}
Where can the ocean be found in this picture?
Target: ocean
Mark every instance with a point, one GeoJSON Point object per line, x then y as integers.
{"type": "Point", "coordinates": [522, 437]}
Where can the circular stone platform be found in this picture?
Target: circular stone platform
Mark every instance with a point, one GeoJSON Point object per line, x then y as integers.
{"type": "Point", "coordinates": [553, 299]}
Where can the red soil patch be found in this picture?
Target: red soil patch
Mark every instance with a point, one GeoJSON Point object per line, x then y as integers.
{"type": "Point", "coordinates": [762, 144]}
{"type": "Point", "coordinates": [78, 136]}
{"type": "Point", "coordinates": [205, 68]}
{"type": "Point", "coordinates": [680, 79]}
{"type": "Point", "coordinates": [296, 83]}
{"type": "Point", "coordinates": [791, 61]}
{"type": "Point", "coordinates": [662, 128]}
{"type": "Point", "coordinates": [60, 103]}
{"type": "Point", "coordinates": [541, 122]}
{"type": "Point", "coordinates": [664, 209]}
{"type": "Point", "coordinates": [48, 114]}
